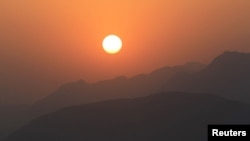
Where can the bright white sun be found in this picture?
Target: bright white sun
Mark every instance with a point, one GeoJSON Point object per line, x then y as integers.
{"type": "Point", "coordinates": [112, 44]}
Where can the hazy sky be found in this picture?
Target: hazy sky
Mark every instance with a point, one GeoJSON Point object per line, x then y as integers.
{"type": "Point", "coordinates": [44, 43]}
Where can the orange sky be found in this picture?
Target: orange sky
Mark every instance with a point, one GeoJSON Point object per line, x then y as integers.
{"type": "Point", "coordinates": [60, 40]}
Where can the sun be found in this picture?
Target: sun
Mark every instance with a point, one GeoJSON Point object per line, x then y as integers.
{"type": "Point", "coordinates": [112, 44]}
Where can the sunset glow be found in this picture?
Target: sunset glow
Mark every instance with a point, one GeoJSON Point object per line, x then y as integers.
{"type": "Point", "coordinates": [46, 43]}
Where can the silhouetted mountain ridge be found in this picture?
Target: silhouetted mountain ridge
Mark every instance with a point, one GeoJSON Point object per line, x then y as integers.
{"type": "Point", "coordinates": [80, 92]}
{"type": "Point", "coordinates": [228, 75]}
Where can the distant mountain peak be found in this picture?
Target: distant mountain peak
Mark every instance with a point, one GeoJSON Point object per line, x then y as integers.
{"type": "Point", "coordinates": [231, 60]}
{"type": "Point", "coordinates": [233, 55]}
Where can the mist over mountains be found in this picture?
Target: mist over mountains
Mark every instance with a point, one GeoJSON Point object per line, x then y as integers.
{"type": "Point", "coordinates": [192, 92]}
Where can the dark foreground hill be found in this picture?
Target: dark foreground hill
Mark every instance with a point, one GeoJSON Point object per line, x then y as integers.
{"type": "Point", "coordinates": [12, 117]}
{"type": "Point", "coordinates": [167, 116]}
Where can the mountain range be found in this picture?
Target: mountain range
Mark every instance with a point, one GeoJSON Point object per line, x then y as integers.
{"type": "Point", "coordinates": [15, 116]}
{"type": "Point", "coordinates": [227, 76]}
